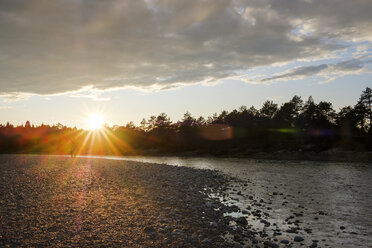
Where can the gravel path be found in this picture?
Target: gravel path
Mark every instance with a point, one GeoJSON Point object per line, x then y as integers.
{"type": "Point", "coordinates": [63, 202]}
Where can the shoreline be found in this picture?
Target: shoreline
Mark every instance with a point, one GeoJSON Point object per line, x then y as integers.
{"type": "Point", "coordinates": [324, 156]}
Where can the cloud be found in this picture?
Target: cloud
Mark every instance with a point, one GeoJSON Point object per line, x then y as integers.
{"type": "Point", "coordinates": [5, 107]}
{"type": "Point", "coordinates": [15, 96]}
{"type": "Point", "coordinates": [298, 73]}
{"type": "Point", "coordinates": [330, 71]}
{"type": "Point", "coordinates": [52, 47]}
{"type": "Point", "coordinates": [89, 92]}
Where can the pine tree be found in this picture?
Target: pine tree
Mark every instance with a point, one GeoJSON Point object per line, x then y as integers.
{"type": "Point", "coordinates": [366, 101]}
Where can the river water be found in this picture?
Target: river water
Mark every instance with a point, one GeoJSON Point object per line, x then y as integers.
{"type": "Point", "coordinates": [332, 200]}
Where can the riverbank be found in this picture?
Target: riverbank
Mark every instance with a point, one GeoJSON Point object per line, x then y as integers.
{"type": "Point", "coordinates": [62, 202]}
{"type": "Point", "coordinates": [332, 155]}
{"type": "Point", "coordinates": [329, 155]}
{"type": "Point", "coordinates": [109, 202]}
{"type": "Point", "coordinates": [326, 156]}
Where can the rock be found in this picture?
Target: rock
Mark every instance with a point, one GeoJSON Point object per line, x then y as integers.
{"type": "Point", "coordinates": [241, 221]}
{"type": "Point", "coordinates": [265, 222]}
{"type": "Point", "coordinates": [206, 240]}
{"type": "Point", "coordinates": [149, 229]}
{"type": "Point", "coordinates": [313, 245]}
{"type": "Point", "coordinates": [271, 244]}
{"type": "Point", "coordinates": [234, 208]}
{"type": "Point", "coordinates": [284, 241]}
{"type": "Point", "coordinates": [238, 237]}
{"type": "Point", "coordinates": [342, 227]}
{"type": "Point", "coordinates": [298, 239]}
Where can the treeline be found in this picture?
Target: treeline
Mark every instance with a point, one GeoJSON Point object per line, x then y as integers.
{"type": "Point", "coordinates": [296, 125]}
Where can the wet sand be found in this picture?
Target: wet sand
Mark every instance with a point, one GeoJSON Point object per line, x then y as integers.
{"type": "Point", "coordinates": [50, 201]}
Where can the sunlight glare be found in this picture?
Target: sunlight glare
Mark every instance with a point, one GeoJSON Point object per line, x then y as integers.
{"type": "Point", "coordinates": [95, 122]}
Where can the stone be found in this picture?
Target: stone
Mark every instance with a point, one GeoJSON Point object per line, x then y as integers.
{"type": "Point", "coordinates": [271, 244]}
{"type": "Point", "coordinates": [241, 221]}
{"type": "Point", "coordinates": [298, 239]}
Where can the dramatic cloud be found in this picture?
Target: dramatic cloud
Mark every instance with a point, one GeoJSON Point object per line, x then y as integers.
{"type": "Point", "coordinates": [353, 66]}
{"type": "Point", "coordinates": [298, 73]}
{"type": "Point", "coordinates": [56, 46]}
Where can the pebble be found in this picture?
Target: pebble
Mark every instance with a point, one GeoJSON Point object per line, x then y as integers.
{"type": "Point", "coordinates": [241, 221]}
{"type": "Point", "coordinates": [313, 245]}
{"type": "Point", "coordinates": [298, 239]}
{"type": "Point", "coordinates": [271, 244]}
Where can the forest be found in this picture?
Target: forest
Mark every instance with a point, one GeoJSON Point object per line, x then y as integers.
{"type": "Point", "coordinates": [296, 125]}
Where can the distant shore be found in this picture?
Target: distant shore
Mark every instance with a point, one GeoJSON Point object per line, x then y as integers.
{"type": "Point", "coordinates": [328, 155]}
{"type": "Point", "coordinates": [325, 156]}
{"type": "Point", "coordinates": [332, 156]}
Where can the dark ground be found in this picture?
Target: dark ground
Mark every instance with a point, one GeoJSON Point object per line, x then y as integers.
{"type": "Point", "coordinates": [51, 201]}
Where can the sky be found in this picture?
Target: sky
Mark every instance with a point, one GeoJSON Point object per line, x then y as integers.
{"type": "Point", "coordinates": [64, 60]}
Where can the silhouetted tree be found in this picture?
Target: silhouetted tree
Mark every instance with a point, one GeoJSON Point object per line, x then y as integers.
{"type": "Point", "coordinates": [289, 111]}
{"type": "Point", "coordinates": [365, 101]}
{"type": "Point", "coordinates": [188, 120]}
{"type": "Point", "coordinates": [130, 125]}
{"type": "Point", "coordinates": [27, 124]}
{"type": "Point", "coordinates": [143, 124]}
{"type": "Point", "coordinates": [295, 125]}
{"type": "Point", "coordinates": [326, 115]}
{"type": "Point", "coordinates": [269, 109]}
{"type": "Point", "coordinates": [150, 124]}
{"type": "Point", "coordinates": [200, 122]}
{"type": "Point", "coordinates": [162, 121]}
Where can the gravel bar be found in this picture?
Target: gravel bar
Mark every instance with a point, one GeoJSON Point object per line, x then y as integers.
{"type": "Point", "coordinates": [52, 201]}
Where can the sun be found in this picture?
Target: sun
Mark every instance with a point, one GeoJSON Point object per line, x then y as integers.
{"type": "Point", "coordinates": [95, 121]}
